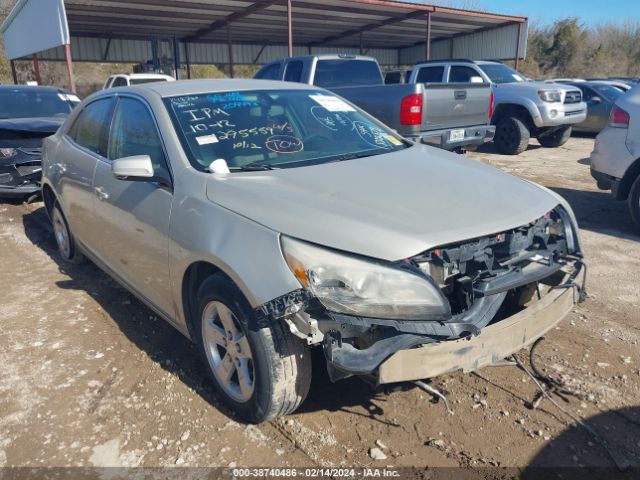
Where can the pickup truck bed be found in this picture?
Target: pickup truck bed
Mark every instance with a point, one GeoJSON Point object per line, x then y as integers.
{"type": "Point", "coordinates": [449, 116]}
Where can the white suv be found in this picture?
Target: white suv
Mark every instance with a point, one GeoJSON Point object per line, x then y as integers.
{"type": "Point", "coordinates": [615, 160]}
{"type": "Point", "coordinates": [130, 79]}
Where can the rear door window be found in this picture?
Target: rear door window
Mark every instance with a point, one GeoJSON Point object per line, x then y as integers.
{"type": "Point", "coordinates": [461, 74]}
{"type": "Point", "coordinates": [293, 71]}
{"type": "Point", "coordinates": [92, 125]}
{"type": "Point", "coordinates": [269, 72]}
{"type": "Point", "coordinates": [430, 75]}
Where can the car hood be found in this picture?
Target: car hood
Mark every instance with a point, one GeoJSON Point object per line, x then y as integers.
{"type": "Point", "coordinates": [36, 125]}
{"type": "Point", "coordinates": [390, 206]}
{"type": "Point", "coordinates": [519, 86]}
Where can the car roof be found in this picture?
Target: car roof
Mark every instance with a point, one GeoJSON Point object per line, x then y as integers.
{"type": "Point", "coordinates": [31, 88]}
{"type": "Point", "coordinates": [193, 87]}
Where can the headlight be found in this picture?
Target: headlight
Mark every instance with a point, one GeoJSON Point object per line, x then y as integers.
{"type": "Point", "coordinates": [8, 152]}
{"type": "Point", "coordinates": [549, 95]}
{"type": "Point", "coordinates": [356, 286]}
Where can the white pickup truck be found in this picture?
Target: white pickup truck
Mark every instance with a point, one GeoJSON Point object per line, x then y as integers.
{"type": "Point", "coordinates": [453, 117]}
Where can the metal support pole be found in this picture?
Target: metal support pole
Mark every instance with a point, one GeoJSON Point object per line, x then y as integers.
{"type": "Point", "coordinates": [36, 69]}
{"type": "Point", "coordinates": [290, 28]}
{"type": "Point", "coordinates": [427, 47]}
{"type": "Point", "coordinates": [154, 55]}
{"type": "Point", "coordinates": [67, 54]}
{"type": "Point", "coordinates": [176, 58]}
{"type": "Point", "coordinates": [361, 44]}
{"type": "Point", "coordinates": [187, 59]}
{"type": "Point", "coordinates": [230, 50]}
{"type": "Point", "coordinates": [518, 46]}
{"type": "Point", "coordinates": [13, 72]}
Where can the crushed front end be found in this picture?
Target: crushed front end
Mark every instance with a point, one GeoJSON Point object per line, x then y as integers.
{"type": "Point", "coordinates": [499, 293]}
{"type": "Point", "coordinates": [20, 169]}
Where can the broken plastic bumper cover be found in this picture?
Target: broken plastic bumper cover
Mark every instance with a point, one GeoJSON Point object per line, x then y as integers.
{"type": "Point", "coordinates": [464, 341]}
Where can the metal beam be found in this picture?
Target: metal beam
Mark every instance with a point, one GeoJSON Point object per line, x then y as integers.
{"type": "Point", "coordinates": [256, 7]}
{"type": "Point", "coordinates": [369, 27]}
{"type": "Point", "coordinates": [289, 29]}
{"type": "Point", "coordinates": [67, 54]}
{"type": "Point", "coordinates": [518, 46]}
{"type": "Point", "coordinates": [14, 74]}
{"type": "Point", "coordinates": [427, 50]}
{"type": "Point", "coordinates": [255, 60]}
{"type": "Point", "coordinates": [105, 55]}
{"type": "Point", "coordinates": [36, 69]}
{"type": "Point", "coordinates": [230, 50]}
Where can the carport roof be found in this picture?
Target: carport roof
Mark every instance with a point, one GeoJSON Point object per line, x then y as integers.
{"type": "Point", "coordinates": [339, 23]}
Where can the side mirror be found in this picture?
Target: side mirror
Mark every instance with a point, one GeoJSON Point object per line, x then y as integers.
{"type": "Point", "coordinates": [476, 79]}
{"type": "Point", "coordinates": [596, 100]}
{"type": "Point", "coordinates": [138, 167]}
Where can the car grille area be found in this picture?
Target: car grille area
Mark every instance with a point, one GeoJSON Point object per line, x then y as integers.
{"type": "Point", "coordinates": [572, 97]}
{"type": "Point", "coordinates": [488, 265]}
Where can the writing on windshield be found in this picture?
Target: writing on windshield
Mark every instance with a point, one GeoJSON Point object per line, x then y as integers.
{"type": "Point", "coordinates": [275, 128]}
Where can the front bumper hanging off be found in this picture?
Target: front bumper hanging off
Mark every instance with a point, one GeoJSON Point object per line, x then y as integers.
{"type": "Point", "coordinates": [396, 359]}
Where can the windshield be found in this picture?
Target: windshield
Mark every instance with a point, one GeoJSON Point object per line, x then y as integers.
{"type": "Point", "coordinates": [607, 91]}
{"type": "Point", "coordinates": [35, 103]}
{"type": "Point", "coordinates": [140, 81]}
{"type": "Point", "coordinates": [500, 73]}
{"type": "Point", "coordinates": [276, 129]}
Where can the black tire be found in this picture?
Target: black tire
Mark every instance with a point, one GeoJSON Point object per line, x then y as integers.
{"type": "Point", "coordinates": [634, 202]}
{"type": "Point", "coordinates": [280, 362]}
{"type": "Point", "coordinates": [556, 139]}
{"type": "Point", "coordinates": [67, 247]}
{"type": "Point", "coordinates": [512, 136]}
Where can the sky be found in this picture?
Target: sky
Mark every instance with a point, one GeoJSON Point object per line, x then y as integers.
{"type": "Point", "coordinates": [590, 12]}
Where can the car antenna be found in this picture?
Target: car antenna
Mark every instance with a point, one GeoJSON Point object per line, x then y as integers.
{"type": "Point", "coordinates": [219, 165]}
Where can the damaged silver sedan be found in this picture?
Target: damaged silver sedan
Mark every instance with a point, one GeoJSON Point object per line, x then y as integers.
{"type": "Point", "coordinates": [265, 219]}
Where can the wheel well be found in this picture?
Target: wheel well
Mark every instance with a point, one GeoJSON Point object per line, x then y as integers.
{"type": "Point", "coordinates": [510, 110]}
{"type": "Point", "coordinates": [626, 183]}
{"type": "Point", "coordinates": [195, 274]}
{"type": "Point", "coordinates": [49, 198]}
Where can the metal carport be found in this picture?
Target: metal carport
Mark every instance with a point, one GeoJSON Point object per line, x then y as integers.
{"type": "Point", "coordinates": [256, 31]}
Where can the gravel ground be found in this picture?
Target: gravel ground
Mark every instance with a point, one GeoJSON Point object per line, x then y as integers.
{"type": "Point", "coordinates": [90, 377]}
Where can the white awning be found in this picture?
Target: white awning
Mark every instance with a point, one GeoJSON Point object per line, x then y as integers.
{"type": "Point", "coordinates": [34, 26]}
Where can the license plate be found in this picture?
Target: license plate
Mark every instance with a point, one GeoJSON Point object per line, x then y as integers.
{"type": "Point", "coordinates": [456, 135]}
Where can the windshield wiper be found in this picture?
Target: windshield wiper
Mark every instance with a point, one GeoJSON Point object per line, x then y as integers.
{"type": "Point", "coordinates": [254, 167]}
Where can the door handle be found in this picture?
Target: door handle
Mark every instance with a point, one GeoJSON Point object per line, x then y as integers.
{"type": "Point", "coordinates": [101, 193]}
{"type": "Point", "coordinates": [460, 94]}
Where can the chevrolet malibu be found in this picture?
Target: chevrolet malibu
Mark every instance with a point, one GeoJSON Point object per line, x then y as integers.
{"type": "Point", "coordinates": [264, 219]}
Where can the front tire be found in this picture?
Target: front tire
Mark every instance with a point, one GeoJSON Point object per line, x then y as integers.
{"type": "Point", "coordinates": [259, 372]}
{"type": "Point", "coordinates": [634, 202]}
{"type": "Point", "coordinates": [556, 139]}
{"type": "Point", "coordinates": [67, 247]}
{"type": "Point", "coordinates": [512, 136]}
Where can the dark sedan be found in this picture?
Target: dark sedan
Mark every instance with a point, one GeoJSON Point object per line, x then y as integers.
{"type": "Point", "coordinates": [27, 115]}
{"type": "Point", "coordinates": [600, 97]}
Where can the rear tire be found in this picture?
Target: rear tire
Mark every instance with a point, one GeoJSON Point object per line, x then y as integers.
{"type": "Point", "coordinates": [259, 373]}
{"type": "Point", "coordinates": [512, 136]}
{"type": "Point", "coordinates": [634, 202]}
{"type": "Point", "coordinates": [557, 138]}
{"type": "Point", "coordinates": [67, 247]}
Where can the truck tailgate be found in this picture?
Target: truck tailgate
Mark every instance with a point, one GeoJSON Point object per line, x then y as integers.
{"type": "Point", "coordinates": [451, 105]}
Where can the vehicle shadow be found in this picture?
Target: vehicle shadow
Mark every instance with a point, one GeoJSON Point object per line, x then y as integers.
{"type": "Point", "coordinates": [490, 147]}
{"type": "Point", "coordinates": [170, 349]}
{"type": "Point", "coordinates": [612, 453]}
{"type": "Point", "coordinates": [599, 212]}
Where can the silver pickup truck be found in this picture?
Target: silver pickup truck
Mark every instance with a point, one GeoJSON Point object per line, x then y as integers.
{"type": "Point", "coordinates": [523, 108]}
{"type": "Point", "coordinates": [453, 117]}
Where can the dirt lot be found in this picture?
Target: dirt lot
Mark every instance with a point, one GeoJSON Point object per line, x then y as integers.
{"type": "Point", "coordinates": [89, 376]}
